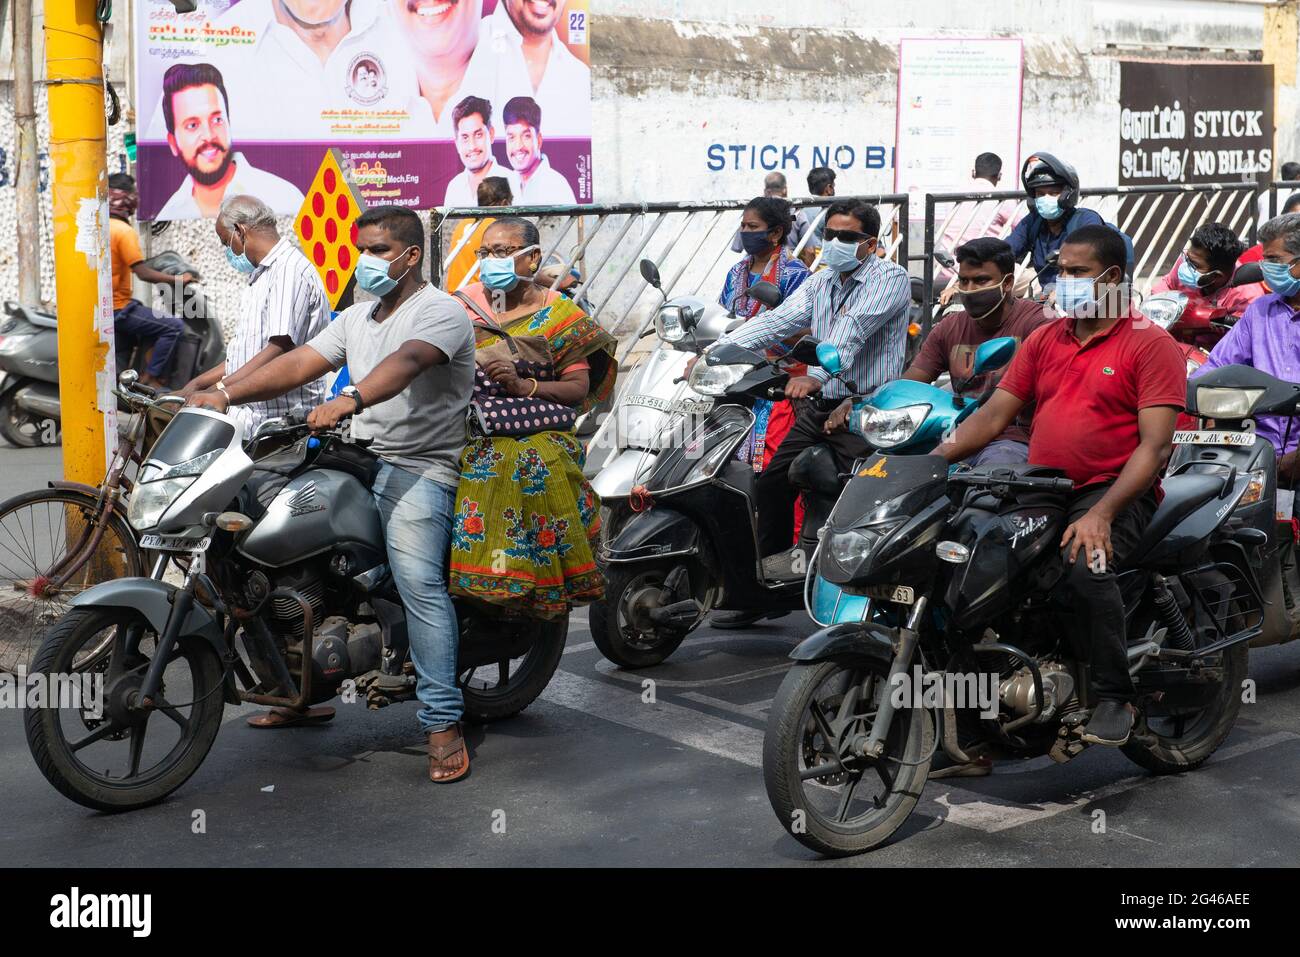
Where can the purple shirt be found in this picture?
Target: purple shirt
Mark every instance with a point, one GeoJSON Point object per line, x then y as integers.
{"type": "Point", "coordinates": [1266, 337]}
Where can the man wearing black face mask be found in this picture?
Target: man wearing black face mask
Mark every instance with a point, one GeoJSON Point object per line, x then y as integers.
{"type": "Point", "coordinates": [986, 287]}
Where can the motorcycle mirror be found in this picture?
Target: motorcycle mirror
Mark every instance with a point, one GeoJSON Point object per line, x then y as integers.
{"type": "Point", "coordinates": [650, 273]}
{"type": "Point", "coordinates": [1246, 274]}
{"type": "Point", "coordinates": [766, 293]}
{"type": "Point", "coordinates": [805, 351]}
{"type": "Point", "coordinates": [944, 258]}
{"type": "Point", "coordinates": [828, 357]}
{"type": "Point", "coordinates": [993, 355]}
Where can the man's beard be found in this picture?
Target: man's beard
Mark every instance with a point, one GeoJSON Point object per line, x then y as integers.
{"type": "Point", "coordinates": [215, 176]}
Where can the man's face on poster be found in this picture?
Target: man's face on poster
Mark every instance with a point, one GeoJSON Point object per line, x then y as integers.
{"type": "Point", "coordinates": [314, 11]}
{"type": "Point", "coordinates": [523, 146]}
{"type": "Point", "coordinates": [202, 135]}
{"type": "Point", "coordinates": [534, 16]}
{"type": "Point", "coordinates": [474, 142]}
{"type": "Point", "coordinates": [437, 28]}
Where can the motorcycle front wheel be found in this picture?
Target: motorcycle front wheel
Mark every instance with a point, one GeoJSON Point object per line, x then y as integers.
{"type": "Point", "coordinates": [620, 627]}
{"type": "Point", "coordinates": [89, 735]}
{"type": "Point", "coordinates": [826, 797]}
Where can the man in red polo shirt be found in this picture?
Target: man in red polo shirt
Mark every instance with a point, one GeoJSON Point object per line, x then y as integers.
{"type": "Point", "coordinates": [1108, 386]}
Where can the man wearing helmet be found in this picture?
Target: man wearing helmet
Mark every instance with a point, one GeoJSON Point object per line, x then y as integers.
{"type": "Point", "coordinates": [1052, 194]}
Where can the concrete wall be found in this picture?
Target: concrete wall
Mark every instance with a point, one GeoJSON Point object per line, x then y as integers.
{"type": "Point", "coordinates": [673, 78]}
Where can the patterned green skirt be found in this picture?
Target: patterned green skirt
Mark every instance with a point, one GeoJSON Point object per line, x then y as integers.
{"type": "Point", "coordinates": [526, 525]}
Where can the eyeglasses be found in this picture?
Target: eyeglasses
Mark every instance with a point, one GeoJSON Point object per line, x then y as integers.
{"type": "Point", "coordinates": [846, 236]}
{"type": "Point", "coordinates": [497, 252]}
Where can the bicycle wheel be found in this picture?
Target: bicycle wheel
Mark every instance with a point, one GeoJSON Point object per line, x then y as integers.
{"type": "Point", "coordinates": [38, 531]}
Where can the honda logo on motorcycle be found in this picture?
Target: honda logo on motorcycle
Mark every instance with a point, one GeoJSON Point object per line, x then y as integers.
{"type": "Point", "coordinates": [304, 501]}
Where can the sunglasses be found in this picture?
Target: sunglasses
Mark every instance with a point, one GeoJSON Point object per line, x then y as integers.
{"type": "Point", "coordinates": [846, 236]}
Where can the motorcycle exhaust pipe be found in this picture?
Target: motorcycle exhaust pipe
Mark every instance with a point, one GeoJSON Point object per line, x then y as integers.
{"type": "Point", "coordinates": [31, 399]}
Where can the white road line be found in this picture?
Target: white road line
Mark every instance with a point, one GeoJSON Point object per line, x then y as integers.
{"type": "Point", "coordinates": [580, 646]}
{"type": "Point", "coordinates": [757, 711]}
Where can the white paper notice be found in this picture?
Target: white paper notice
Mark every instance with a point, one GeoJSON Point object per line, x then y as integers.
{"type": "Point", "coordinates": [1285, 504]}
{"type": "Point", "coordinates": [957, 98]}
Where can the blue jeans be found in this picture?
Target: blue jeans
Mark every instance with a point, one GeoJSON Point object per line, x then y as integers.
{"type": "Point", "coordinates": [1001, 452]}
{"type": "Point", "coordinates": [417, 514]}
{"type": "Point", "coordinates": [141, 323]}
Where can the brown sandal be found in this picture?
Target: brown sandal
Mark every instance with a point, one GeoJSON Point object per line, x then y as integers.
{"type": "Point", "coordinates": [289, 717]}
{"type": "Point", "coordinates": [438, 753]}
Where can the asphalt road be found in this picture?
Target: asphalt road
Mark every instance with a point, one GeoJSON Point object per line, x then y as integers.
{"type": "Point", "coordinates": [591, 774]}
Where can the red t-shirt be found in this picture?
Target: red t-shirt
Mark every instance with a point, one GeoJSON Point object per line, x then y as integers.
{"type": "Point", "coordinates": [1088, 396]}
{"type": "Point", "coordinates": [950, 347]}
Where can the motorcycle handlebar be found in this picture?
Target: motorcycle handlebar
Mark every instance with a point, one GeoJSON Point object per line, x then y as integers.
{"type": "Point", "coordinates": [986, 479]}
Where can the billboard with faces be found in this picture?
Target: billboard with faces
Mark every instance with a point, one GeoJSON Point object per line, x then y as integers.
{"type": "Point", "coordinates": [423, 98]}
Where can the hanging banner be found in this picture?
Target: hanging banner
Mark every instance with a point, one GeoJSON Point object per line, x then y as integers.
{"type": "Point", "coordinates": [423, 99]}
{"type": "Point", "coordinates": [957, 98]}
{"type": "Point", "coordinates": [1195, 122]}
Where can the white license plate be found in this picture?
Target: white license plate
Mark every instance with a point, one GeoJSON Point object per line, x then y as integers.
{"type": "Point", "coordinates": [174, 543]}
{"type": "Point", "coordinates": [1242, 439]}
{"type": "Point", "coordinates": [666, 405]}
{"type": "Point", "coordinates": [902, 594]}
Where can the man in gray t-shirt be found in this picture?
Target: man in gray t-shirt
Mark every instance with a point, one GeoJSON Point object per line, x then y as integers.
{"type": "Point", "coordinates": [411, 359]}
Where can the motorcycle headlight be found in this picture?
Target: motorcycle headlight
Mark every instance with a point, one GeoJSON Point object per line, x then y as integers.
{"type": "Point", "coordinates": [850, 548]}
{"type": "Point", "coordinates": [886, 428]}
{"type": "Point", "coordinates": [708, 464]}
{"type": "Point", "coordinates": [1226, 403]}
{"type": "Point", "coordinates": [715, 380]}
{"type": "Point", "coordinates": [669, 325]}
{"type": "Point", "coordinates": [1163, 312]}
{"type": "Point", "coordinates": [150, 500]}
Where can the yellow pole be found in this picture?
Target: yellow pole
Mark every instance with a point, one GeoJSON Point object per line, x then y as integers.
{"type": "Point", "coordinates": [83, 279]}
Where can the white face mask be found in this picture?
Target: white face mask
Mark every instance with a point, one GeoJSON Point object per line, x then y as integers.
{"type": "Point", "coordinates": [840, 256]}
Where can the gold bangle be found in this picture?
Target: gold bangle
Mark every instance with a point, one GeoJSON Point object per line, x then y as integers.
{"type": "Point", "coordinates": [531, 394]}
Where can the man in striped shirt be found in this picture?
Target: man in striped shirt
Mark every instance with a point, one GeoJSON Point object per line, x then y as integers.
{"type": "Point", "coordinates": [283, 306]}
{"type": "Point", "coordinates": [860, 303]}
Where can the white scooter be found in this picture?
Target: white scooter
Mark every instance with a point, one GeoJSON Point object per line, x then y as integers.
{"type": "Point", "coordinates": [657, 402]}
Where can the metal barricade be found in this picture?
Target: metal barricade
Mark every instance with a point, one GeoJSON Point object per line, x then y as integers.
{"type": "Point", "coordinates": [1275, 197]}
{"type": "Point", "coordinates": [1159, 220]}
{"type": "Point", "coordinates": [690, 243]}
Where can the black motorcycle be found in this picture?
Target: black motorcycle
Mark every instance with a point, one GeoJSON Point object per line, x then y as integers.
{"type": "Point", "coordinates": [960, 572]}
{"type": "Point", "coordinates": [688, 544]}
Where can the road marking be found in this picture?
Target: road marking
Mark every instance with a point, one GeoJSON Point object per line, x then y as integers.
{"type": "Point", "coordinates": [758, 711]}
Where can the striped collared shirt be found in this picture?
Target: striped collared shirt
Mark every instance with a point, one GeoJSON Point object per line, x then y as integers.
{"type": "Point", "coordinates": [865, 316]}
{"type": "Point", "coordinates": [284, 298]}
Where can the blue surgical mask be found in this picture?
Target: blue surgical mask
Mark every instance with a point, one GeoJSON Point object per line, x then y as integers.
{"type": "Point", "coordinates": [1049, 207]}
{"type": "Point", "coordinates": [241, 262]}
{"type": "Point", "coordinates": [500, 274]}
{"type": "Point", "coordinates": [372, 274]}
{"type": "Point", "coordinates": [1279, 278]}
{"type": "Point", "coordinates": [840, 256]}
{"type": "Point", "coordinates": [1076, 296]}
{"type": "Point", "coordinates": [1188, 275]}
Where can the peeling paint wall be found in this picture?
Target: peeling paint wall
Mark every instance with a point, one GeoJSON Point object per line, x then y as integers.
{"type": "Point", "coordinates": [673, 77]}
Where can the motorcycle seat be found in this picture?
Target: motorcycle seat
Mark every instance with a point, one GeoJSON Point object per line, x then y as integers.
{"type": "Point", "coordinates": [1184, 494]}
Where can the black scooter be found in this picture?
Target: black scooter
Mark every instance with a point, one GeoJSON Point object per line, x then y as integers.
{"type": "Point", "coordinates": [688, 544]}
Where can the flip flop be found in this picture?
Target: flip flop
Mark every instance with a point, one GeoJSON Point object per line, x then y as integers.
{"type": "Point", "coordinates": [440, 752]}
{"type": "Point", "coordinates": [287, 717]}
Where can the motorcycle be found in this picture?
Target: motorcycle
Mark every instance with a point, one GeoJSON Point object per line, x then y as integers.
{"type": "Point", "coordinates": [284, 560]}
{"type": "Point", "coordinates": [29, 356]}
{"type": "Point", "coordinates": [1232, 397]}
{"type": "Point", "coordinates": [688, 543]}
{"type": "Point", "coordinates": [951, 580]}
{"type": "Point", "coordinates": [656, 399]}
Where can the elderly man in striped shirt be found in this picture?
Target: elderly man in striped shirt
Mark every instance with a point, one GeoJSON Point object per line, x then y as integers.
{"type": "Point", "coordinates": [283, 306]}
{"type": "Point", "coordinates": [860, 303]}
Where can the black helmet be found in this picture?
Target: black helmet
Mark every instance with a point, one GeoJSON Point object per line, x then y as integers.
{"type": "Point", "coordinates": [1044, 169]}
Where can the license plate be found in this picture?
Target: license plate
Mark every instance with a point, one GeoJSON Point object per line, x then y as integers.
{"type": "Point", "coordinates": [174, 543]}
{"type": "Point", "coordinates": [901, 594]}
{"type": "Point", "coordinates": [666, 405]}
{"type": "Point", "coordinates": [1242, 439]}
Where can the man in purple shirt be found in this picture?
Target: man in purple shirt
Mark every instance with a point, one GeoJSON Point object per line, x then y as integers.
{"type": "Point", "coordinates": [1267, 337]}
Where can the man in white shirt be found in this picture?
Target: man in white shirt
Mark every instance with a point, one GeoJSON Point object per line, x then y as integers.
{"type": "Point", "coordinates": [539, 185]}
{"type": "Point", "coordinates": [475, 135]}
{"type": "Point", "coordinates": [283, 306]}
{"type": "Point", "coordinates": [975, 220]}
{"type": "Point", "coordinates": [195, 110]}
{"type": "Point", "coordinates": [1288, 173]}
{"type": "Point", "coordinates": [450, 62]}
{"type": "Point", "coordinates": [533, 61]}
{"type": "Point", "coordinates": [330, 63]}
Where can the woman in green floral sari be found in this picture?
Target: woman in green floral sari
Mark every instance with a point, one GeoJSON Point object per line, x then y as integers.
{"type": "Point", "coordinates": [527, 520]}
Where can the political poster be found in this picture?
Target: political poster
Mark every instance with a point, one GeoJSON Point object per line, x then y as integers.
{"type": "Point", "coordinates": [423, 99]}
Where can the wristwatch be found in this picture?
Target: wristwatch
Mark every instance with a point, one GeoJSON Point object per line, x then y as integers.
{"type": "Point", "coordinates": [353, 393]}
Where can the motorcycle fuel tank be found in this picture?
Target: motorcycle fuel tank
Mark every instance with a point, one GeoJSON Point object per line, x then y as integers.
{"type": "Point", "coordinates": [1004, 544]}
{"type": "Point", "coordinates": [315, 512]}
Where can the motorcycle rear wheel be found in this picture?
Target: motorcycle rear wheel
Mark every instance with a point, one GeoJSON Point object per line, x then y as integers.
{"type": "Point", "coordinates": [21, 428]}
{"type": "Point", "coordinates": [61, 739]}
{"type": "Point", "coordinates": [519, 681]}
{"type": "Point", "coordinates": [800, 742]}
{"type": "Point", "coordinates": [616, 625]}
